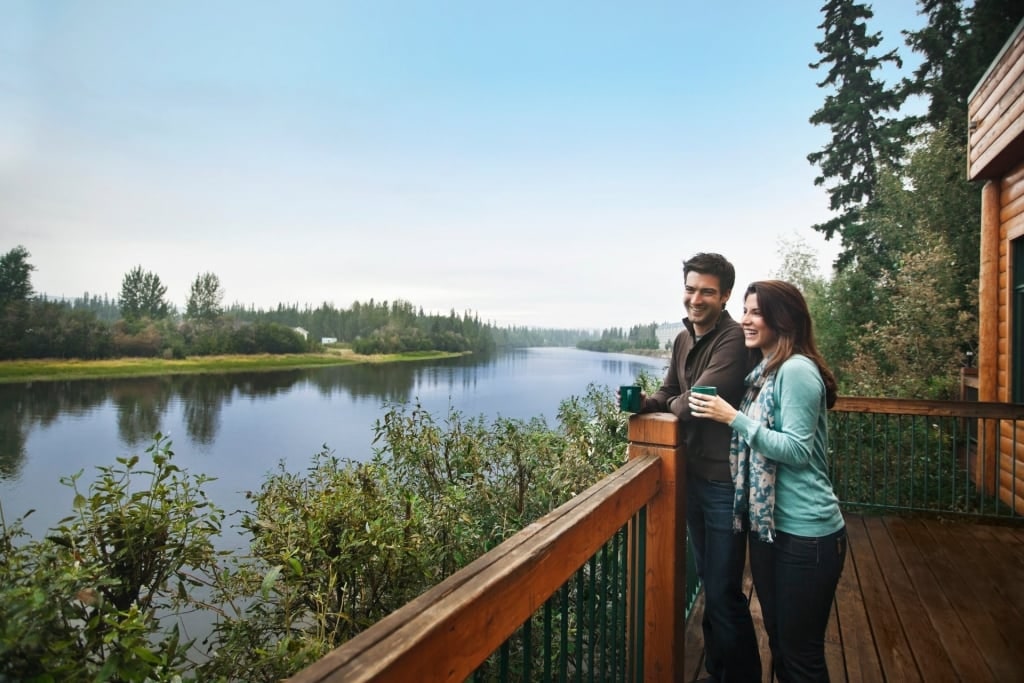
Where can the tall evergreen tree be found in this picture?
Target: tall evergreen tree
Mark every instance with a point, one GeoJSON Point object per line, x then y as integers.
{"type": "Point", "coordinates": [15, 301]}
{"type": "Point", "coordinates": [15, 276]}
{"type": "Point", "coordinates": [865, 136]}
{"type": "Point", "coordinates": [940, 79]}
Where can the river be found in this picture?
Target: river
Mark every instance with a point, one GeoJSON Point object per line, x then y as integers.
{"type": "Point", "coordinates": [237, 427]}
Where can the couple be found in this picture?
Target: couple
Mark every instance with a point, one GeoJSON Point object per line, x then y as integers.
{"type": "Point", "coordinates": [758, 469]}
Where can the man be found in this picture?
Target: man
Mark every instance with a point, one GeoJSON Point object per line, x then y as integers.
{"type": "Point", "coordinates": [710, 351]}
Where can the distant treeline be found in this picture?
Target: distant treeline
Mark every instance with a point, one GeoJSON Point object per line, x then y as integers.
{"type": "Point", "coordinates": [143, 322]}
{"type": "Point", "coordinates": [616, 339]}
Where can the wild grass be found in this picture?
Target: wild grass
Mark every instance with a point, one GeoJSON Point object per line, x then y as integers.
{"type": "Point", "coordinates": [71, 369]}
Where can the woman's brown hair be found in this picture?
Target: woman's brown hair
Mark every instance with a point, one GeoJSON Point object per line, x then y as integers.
{"type": "Point", "coordinates": [785, 312]}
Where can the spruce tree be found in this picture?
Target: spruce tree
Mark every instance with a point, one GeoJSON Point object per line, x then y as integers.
{"type": "Point", "coordinates": [860, 111]}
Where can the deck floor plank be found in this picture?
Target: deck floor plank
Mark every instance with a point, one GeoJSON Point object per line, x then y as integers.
{"type": "Point", "coordinates": [1007, 567]}
{"type": "Point", "coordinates": [859, 653]}
{"type": "Point", "coordinates": [890, 641]}
{"type": "Point", "coordinates": [919, 555]}
{"type": "Point", "coordinates": [919, 599]}
{"type": "Point", "coordinates": [925, 645]}
{"type": "Point", "coordinates": [971, 591]}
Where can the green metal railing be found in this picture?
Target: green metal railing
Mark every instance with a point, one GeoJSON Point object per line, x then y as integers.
{"type": "Point", "coordinates": [585, 626]}
{"type": "Point", "coordinates": [953, 458]}
{"type": "Point", "coordinates": [587, 630]}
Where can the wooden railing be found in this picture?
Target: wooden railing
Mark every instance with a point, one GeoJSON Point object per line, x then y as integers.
{"type": "Point", "coordinates": [448, 631]}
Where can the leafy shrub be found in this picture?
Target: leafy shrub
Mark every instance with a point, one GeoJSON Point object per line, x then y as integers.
{"type": "Point", "coordinates": [84, 603]}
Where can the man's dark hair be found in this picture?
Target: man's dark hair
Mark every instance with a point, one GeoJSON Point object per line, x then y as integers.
{"type": "Point", "coordinates": [712, 264]}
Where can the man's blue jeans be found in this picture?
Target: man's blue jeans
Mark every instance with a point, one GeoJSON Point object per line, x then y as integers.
{"type": "Point", "coordinates": [730, 646]}
{"type": "Point", "coordinates": [795, 578]}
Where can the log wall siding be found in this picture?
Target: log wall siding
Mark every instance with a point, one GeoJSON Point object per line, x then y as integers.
{"type": "Point", "coordinates": [1011, 227]}
{"type": "Point", "coordinates": [995, 153]}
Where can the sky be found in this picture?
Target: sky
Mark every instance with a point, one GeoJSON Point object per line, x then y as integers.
{"type": "Point", "coordinates": [544, 163]}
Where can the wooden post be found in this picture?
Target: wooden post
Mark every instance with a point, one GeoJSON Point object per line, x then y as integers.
{"type": "Point", "coordinates": [665, 599]}
{"type": "Point", "coordinates": [988, 335]}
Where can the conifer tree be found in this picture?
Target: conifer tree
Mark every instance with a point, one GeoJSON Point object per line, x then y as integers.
{"type": "Point", "coordinates": [143, 296]}
{"type": "Point", "coordinates": [860, 111]}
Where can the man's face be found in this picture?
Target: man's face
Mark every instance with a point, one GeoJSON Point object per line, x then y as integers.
{"type": "Point", "coordinates": [704, 300]}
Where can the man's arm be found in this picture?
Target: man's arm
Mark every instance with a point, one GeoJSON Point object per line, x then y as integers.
{"type": "Point", "coordinates": [670, 386]}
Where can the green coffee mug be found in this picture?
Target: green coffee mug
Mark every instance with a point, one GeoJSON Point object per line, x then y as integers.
{"type": "Point", "coordinates": [701, 389]}
{"type": "Point", "coordinates": [629, 398]}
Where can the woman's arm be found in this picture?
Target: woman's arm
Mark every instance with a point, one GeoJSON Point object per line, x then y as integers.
{"type": "Point", "coordinates": [798, 395]}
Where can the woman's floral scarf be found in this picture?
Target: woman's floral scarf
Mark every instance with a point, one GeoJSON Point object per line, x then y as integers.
{"type": "Point", "coordinates": [753, 475]}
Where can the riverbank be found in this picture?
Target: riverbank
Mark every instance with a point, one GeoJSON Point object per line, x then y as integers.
{"type": "Point", "coordinates": [59, 370]}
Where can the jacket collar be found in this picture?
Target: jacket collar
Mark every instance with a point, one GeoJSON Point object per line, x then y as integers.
{"type": "Point", "coordinates": [724, 316]}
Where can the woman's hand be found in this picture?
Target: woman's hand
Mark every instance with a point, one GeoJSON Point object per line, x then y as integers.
{"type": "Point", "coordinates": [711, 407]}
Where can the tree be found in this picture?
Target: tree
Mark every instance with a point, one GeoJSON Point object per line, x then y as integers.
{"type": "Point", "coordinates": [142, 296]}
{"type": "Point", "coordinates": [204, 299]}
{"type": "Point", "coordinates": [15, 276]}
{"type": "Point", "coordinates": [938, 77]}
{"type": "Point", "coordinates": [918, 351]}
{"type": "Point", "coordinates": [15, 303]}
{"type": "Point", "coordinates": [864, 138]}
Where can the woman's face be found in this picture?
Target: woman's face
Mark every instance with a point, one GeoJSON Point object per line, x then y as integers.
{"type": "Point", "coordinates": [756, 332]}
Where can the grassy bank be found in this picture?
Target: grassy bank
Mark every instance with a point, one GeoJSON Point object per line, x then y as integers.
{"type": "Point", "coordinates": [53, 370]}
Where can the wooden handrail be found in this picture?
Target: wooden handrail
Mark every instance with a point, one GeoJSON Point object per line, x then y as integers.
{"type": "Point", "coordinates": [448, 631]}
{"type": "Point", "coordinates": [904, 406]}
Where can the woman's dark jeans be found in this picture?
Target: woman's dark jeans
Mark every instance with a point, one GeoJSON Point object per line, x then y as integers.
{"type": "Point", "coordinates": [730, 645]}
{"type": "Point", "coordinates": [795, 578]}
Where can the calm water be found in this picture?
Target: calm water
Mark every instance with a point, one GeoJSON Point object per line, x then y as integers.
{"type": "Point", "coordinates": [238, 427]}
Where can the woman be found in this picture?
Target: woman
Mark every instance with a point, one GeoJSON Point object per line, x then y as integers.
{"type": "Point", "coordinates": [780, 435]}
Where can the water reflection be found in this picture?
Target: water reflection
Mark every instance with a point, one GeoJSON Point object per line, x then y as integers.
{"type": "Point", "coordinates": [523, 383]}
{"type": "Point", "coordinates": [141, 404]}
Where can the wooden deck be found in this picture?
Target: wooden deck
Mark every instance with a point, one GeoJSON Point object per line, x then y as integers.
{"type": "Point", "coordinates": [919, 600]}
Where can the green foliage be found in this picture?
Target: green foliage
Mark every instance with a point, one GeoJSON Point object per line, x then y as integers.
{"type": "Point", "coordinates": [380, 327]}
{"type": "Point", "coordinates": [205, 298]}
{"type": "Point", "coordinates": [15, 290]}
{"type": "Point", "coordinates": [338, 547]}
{"type": "Point", "coordinates": [84, 603]}
{"type": "Point", "coordinates": [865, 139]}
{"type": "Point", "coordinates": [919, 350]}
{"type": "Point", "coordinates": [15, 276]}
{"type": "Point", "coordinates": [143, 296]}
{"type": "Point", "coordinates": [616, 340]}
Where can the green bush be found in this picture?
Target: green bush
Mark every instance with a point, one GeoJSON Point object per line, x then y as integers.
{"type": "Point", "coordinates": [85, 603]}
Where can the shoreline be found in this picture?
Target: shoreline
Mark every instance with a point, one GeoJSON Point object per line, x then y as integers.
{"type": "Point", "coordinates": [53, 370]}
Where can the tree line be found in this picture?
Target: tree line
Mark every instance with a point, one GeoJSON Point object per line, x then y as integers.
{"type": "Point", "coordinates": [143, 322]}
{"type": "Point", "coordinates": [616, 339]}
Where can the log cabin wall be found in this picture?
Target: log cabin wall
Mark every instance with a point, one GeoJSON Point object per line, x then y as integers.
{"type": "Point", "coordinates": [995, 155]}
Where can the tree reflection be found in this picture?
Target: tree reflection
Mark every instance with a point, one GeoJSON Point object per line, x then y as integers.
{"type": "Point", "coordinates": [25, 405]}
{"type": "Point", "coordinates": [142, 403]}
{"type": "Point", "coordinates": [202, 398]}
{"type": "Point", "coordinates": [12, 438]}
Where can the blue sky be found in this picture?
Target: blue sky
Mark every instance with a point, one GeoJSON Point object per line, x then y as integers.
{"type": "Point", "coordinates": [539, 163]}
